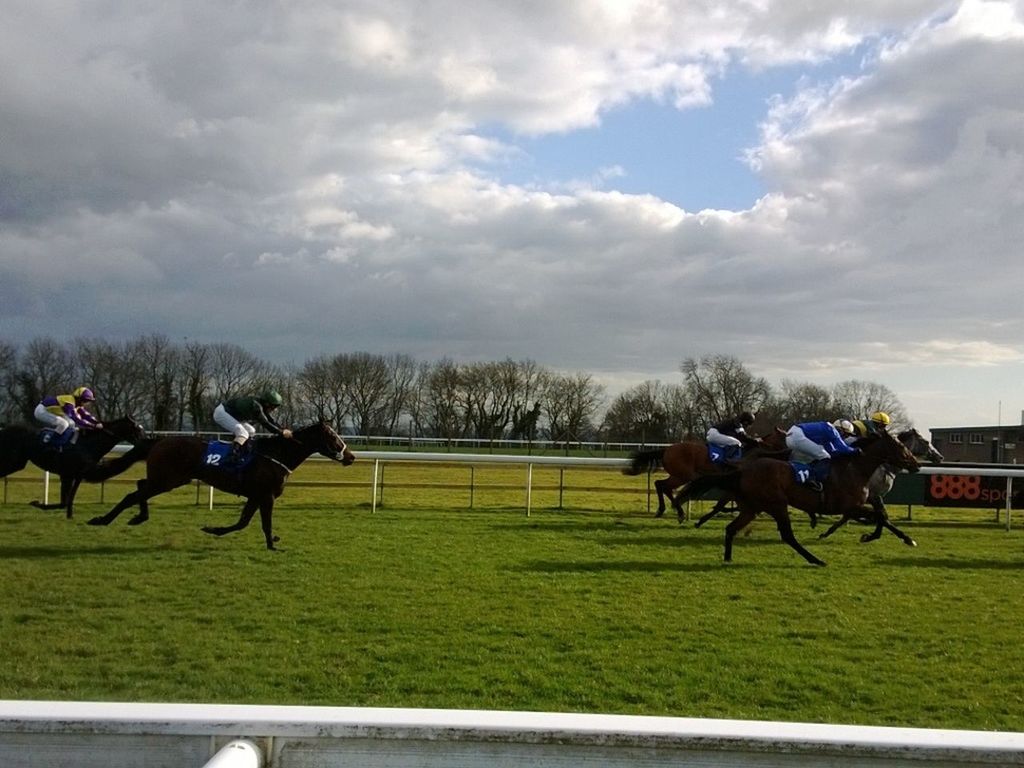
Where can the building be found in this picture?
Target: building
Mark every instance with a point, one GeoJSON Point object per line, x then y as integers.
{"type": "Point", "coordinates": [989, 445]}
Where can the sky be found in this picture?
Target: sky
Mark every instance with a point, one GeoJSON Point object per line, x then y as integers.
{"type": "Point", "coordinates": [826, 191]}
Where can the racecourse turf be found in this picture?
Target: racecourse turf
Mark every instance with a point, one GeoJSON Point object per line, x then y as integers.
{"type": "Point", "coordinates": [430, 602]}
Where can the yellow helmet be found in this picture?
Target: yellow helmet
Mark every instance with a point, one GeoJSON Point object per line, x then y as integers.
{"type": "Point", "coordinates": [881, 417]}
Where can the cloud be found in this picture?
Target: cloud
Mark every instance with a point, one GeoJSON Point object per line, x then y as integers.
{"type": "Point", "coordinates": [254, 174]}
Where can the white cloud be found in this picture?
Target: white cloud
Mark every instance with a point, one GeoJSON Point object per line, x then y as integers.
{"type": "Point", "coordinates": [312, 160]}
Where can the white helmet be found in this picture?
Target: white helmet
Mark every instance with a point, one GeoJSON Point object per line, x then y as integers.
{"type": "Point", "coordinates": [844, 426]}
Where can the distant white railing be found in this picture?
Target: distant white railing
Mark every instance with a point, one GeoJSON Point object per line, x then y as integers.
{"type": "Point", "coordinates": [529, 461]}
{"type": "Point", "coordinates": [110, 735]}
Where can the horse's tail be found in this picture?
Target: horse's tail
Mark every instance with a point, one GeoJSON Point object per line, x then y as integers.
{"type": "Point", "coordinates": [727, 481]}
{"type": "Point", "coordinates": [641, 461]}
{"type": "Point", "coordinates": [108, 469]}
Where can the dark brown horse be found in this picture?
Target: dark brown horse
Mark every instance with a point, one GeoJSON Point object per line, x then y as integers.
{"type": "Point", "coordinates": [689, 460]}
{"type": "Point", "coordinates": [20, 444]}
{"type": "Point", "coordinates": [769, 485]}
{"type": "Point", "coordinates": [880, 484]}
{"type": "Point", "coordinates": [174, 461]}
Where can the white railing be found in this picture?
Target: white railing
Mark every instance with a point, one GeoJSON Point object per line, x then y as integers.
{"type": "Point", "coordinates": [107, 735]}
{"type": "Point", "coordinates": [529, 461]}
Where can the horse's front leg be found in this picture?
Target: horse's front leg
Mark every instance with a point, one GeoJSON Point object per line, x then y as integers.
{"type": "Point", "coordinates": [68, 495]}
{"type": "Point", "coordinates": [877, 514]}
{"type": "Point", "coordinates": [659, 486]}
{"type": "Point", "coordinates": [267, 521]}
{"type": "Point", "coordinates": [781, 515]}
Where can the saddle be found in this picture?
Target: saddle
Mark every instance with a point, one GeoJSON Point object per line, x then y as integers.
{"type": "Point", "coordinates": [216, 456]}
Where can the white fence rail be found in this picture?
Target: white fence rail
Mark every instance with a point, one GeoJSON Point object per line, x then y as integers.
{"type": "Point", "coordinates": [530, 461]}
{"type": "Point", "coordinates": [106, 735]}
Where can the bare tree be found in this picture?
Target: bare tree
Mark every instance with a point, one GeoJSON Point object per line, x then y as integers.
{"type": "Point", "coordinates": [365, 379]}
{"type": "Point", "coordinates": [9, 410]}
{"type": "Point", "coordinates": [196, 381]}
{"type": "Point", "coordinates": [570, 403]}
{"type": "Point", "coordinates": [116, 373]}
{"type": "Point", "coordinates": [161, 365]}
{"type": "Point", "coordinates": [443, 412]}
{"type": "Point", "coordinates": [799, 402]}
{"type": "Point", "coordinates": [318, 393]}
{"type": "Point", "coordinates": [45, 367]}
{"type": "Point", "coordinates": [859, 399]}
{"type": "Point", "coordinates": [720, 386]}
{"type": "Point", "coordinates": [638, 415]}
{"type": "Point", "coordinates": [234, 371]}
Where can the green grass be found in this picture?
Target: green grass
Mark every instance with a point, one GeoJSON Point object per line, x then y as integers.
{"type": "Point", "coordinates": [595, 608]}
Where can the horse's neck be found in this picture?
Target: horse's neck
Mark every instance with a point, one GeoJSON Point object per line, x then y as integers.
{"type": "Point", "coordinates": [290, 453]}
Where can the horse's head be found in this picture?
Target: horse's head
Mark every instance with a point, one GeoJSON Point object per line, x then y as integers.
{"type": "Point", "coordinates": [126, 428]}
{"type": "Point", "coordinates": [919, 446]}
{"type": "Point", "coordinates": [893, 452]}
{"type": "Point", "coordinates": [332, 446]}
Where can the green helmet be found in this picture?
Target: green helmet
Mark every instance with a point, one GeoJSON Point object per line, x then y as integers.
{"type": "Point", "coordinates": [271, 397]}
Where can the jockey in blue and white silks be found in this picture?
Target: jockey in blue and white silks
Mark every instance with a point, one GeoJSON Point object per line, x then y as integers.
{"type": "Point", "coordinates": [816, 440]}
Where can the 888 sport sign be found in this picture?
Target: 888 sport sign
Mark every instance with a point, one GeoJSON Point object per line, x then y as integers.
{"type": "Point", "coordinates": [965, 491]}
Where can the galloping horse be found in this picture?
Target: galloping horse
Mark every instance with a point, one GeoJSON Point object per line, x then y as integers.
{"type": "Point", "coordinates": [881, 483]}
{"type": "Point", "coordinates": [688, 460]}
{"type": "Point", "coordinates": [20, 444]}
{"type": "Point", "coordinates": [770, 485]}
{"type": "Point", "coordinates": [174, 461]}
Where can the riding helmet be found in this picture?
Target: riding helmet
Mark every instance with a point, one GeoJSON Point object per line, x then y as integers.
{"type": "Point", "coordinates": [84, 395]}
{"type": "Point", "coordinates": [271, 397]}
{"type": "Point", "coordinates": [881, 417]}
{"type": "Point", "coordinates": [844, 426]}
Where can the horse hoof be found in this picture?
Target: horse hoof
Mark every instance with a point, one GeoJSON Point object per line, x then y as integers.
{"type": "Point", "coordinates": [212, 531]}
{"type": "Point", "coordinates": [910, 543]}
{"type": "Point", "coordinates": [137, 520]}
{"type": "Point", "coordinates": [96, 521]}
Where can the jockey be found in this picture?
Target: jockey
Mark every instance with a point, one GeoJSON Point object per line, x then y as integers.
{"type": "Point", "coordinates": [66, 414]}
{"type": "Point", "coordinates": [875, 424]}
{"type": "Point", "coordinates": [815, 442]}
{"type": "Point", "coordinates": [731, 433]}
{"type": "Point", "coordinates": [235, 416]}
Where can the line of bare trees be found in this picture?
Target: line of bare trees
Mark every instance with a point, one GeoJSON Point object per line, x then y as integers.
{"type": "Point", "coordinates": [171, 386]}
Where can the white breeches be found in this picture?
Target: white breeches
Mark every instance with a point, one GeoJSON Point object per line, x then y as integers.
{"type": "Point", "coordinates": [804, 449]}
{"type": "Point", "coordinates": [240, 429]}
{"type": "Point", "coordinates": [58, 424]}
{"type": "Point", "coordinates": [724, 441]}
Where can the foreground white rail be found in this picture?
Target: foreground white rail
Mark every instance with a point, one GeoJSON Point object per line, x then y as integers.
{"type": "Point", "coordinates": [84, 735]}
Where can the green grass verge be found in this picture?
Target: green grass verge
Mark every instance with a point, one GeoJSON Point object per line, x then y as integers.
{"type": "Point", "coordinates": [428, 603]}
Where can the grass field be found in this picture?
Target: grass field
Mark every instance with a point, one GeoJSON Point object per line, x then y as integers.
{"type": "Point", "coordinates": [597, 607]}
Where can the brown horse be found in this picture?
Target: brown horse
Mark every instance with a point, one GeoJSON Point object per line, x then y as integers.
{"type": "Point", "coordinates": [20, 444]}
{"type": "Point", "coordinates": [689, 460]}
{"type": "Point", "coordinates": [769, 485]}
{"type": "Point", "coordinates": [174, 461]}
{"type": "Point", "coordinates": [880, 484]}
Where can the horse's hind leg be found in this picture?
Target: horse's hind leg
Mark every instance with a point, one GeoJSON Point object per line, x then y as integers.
{"type": "Point", "coordinates": [720, 506]}
{"type": "Point", "coordinates": [248, 511]}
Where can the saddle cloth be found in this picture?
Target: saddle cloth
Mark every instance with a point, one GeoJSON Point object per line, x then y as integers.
{"type": "Point", "coordinates": [216, 455]}
{"type": "Point", "coordinates": [719, 455]}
